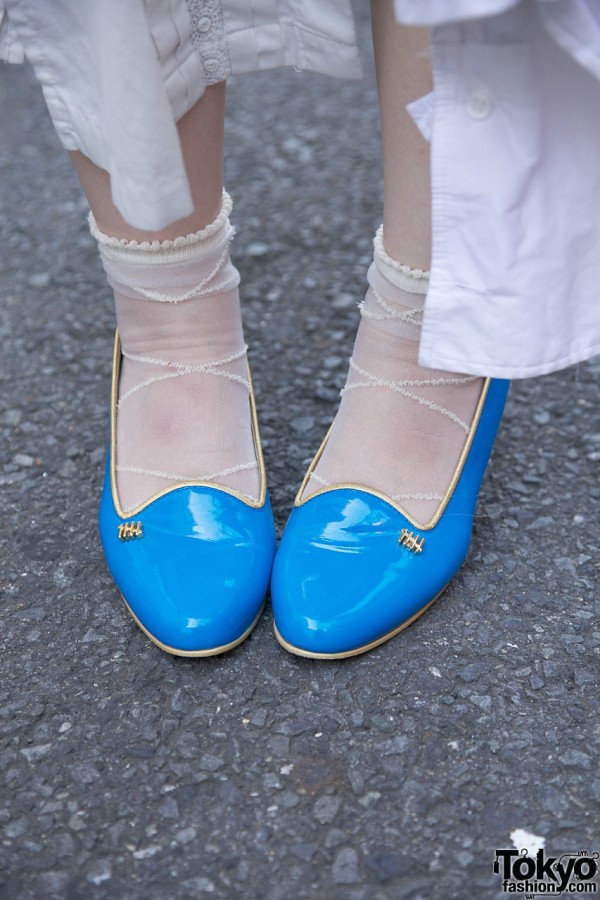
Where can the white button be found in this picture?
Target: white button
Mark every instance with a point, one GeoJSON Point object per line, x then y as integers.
{"type": "Point", "coordinates": [480, 104]}
{"type": "Point", "coordinates": [210, 64]}
{"type": "Point", "coordinates": [204, 24]}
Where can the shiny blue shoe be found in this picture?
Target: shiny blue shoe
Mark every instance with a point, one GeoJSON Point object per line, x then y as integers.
{"type": "Point", "coordinates": [353, 569]}
{"type": "Point", "coordinates": [192, 563]}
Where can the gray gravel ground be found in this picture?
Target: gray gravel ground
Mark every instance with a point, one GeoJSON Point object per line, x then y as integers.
{"type": "Point", "coordinates": [128, 773]}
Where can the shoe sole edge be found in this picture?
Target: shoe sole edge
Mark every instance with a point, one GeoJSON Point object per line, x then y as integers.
{"type": "Point", "coordinates": [310, 654]}
{"type": "Point", "coordinates": [210, 651]}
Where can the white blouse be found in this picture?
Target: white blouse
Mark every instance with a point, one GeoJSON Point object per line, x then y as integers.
{"type": "Point", "coordinates": [514, 125]}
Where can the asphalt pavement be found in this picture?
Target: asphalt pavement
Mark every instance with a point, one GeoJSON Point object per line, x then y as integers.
{"type": "Point", "coordinates": [127, 773]}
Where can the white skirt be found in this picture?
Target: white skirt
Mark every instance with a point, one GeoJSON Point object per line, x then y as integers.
{"type": "Point", "coordinates": [514, 124]}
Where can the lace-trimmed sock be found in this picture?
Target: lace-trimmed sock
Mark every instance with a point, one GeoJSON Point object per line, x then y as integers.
{"type": "Point", "coordinates": [183, 412]}
{"type": "Point", "coordinates": [400, 428]}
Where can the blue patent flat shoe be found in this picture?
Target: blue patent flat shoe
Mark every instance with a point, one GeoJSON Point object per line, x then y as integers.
{"type": "Point", "coordinates": [353, 569]}
{"type": "Point", "coordinates": [193, 562]}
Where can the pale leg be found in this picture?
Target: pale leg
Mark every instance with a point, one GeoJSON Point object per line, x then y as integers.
{"type": "Point", "coordinates": [400, 428]}
{"type": "Point", "coordinates": [201, 136]}
{"type": "Point", "coordinates": [403, 75]}
{"type": "Point", "coordinates": [183, 412]}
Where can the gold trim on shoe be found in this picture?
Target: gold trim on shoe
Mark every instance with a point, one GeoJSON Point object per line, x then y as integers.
{"type": "Point", "coordinates": [130, 513]}
{"type": "Point", "coordinates": [297, 651]}
{"type": "Point", "coordinates": [213, 651]}
{"type": "Point", "coordinates": [363, 487]}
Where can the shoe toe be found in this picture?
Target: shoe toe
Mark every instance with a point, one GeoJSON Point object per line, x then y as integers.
{"type": "Point", "coordinates": [196, 577]}
{"type": "Point", "coordinates": [343, 581]}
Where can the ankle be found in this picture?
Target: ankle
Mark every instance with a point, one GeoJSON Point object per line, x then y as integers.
{"type": "Point", "coordinates": [183, 412]}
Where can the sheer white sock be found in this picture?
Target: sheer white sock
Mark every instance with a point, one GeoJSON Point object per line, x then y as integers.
{"type": "Point", "coordinates": [400, 428]}
{"type": "Point", "coordinates": [183, 409]}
